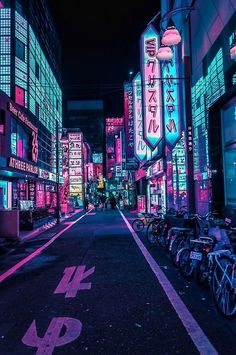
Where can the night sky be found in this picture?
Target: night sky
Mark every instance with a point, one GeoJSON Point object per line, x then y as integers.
{"type": "Point", "coordinates": [100, 45]}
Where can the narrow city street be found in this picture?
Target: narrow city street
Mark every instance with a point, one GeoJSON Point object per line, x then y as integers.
{"type": "Point", "coordinates": [93, 286]}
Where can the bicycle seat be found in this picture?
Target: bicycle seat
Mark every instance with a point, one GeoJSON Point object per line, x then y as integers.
{"type": "Point", "coordinates": [201, 241]}
{"type": "Point", "coordinates": [148, 215]}
{"type": "Point", "coordinates": [181, 229]}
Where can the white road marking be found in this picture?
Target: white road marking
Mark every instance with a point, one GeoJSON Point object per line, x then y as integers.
{"type": "Point", "coordinates": [197, 335]}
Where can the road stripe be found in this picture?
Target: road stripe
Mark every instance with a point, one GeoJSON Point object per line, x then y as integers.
{"type": "Point", "coordinates": [21, 263]}
{"type": "Point", "coordinates": [197, 335]}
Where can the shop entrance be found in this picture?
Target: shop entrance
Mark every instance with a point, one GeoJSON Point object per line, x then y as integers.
{"type": "Point", "coordinates": [156, 195]}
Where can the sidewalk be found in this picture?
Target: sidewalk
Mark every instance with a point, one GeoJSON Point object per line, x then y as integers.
{"type": "Point", "coordinates": [7, 244]}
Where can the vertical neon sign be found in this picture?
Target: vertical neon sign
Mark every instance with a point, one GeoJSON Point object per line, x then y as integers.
{"type": "Point", "coordinates": [118, 150]}
{"type": "Point", "coordinates": [171, 100]}
{"type": "Point", "coordinates": [140, 147]}
{"type": "Point", "coordinates": [150, 66]}
{"type": "Point", "coordinates": [129, 119]}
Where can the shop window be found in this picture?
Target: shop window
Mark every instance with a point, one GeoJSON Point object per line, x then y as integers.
{"type": "Point", "coordinates": [20, 50]}
{"type": "Point", "coordinates": [20, 140]}
{"type": "Point", "coordinates": [19, 95]}
{"type": "Point", "coordinates": [37, 109]}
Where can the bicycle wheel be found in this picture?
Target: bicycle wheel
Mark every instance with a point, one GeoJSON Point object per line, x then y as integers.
{"type": "Point", "coordinates": [185, 263]}
{"type": "Point", "coordinates": [202, 271]}
{"type": "Point", "coordinates": [224, 293]}
{"type": "Point", "coordinates": [152, 231]}
{"type": "Point", "coordinates": [174, 248]}
{"type": "Point", "coordinates": [162, 234]}
{"type": "Point", "coordinates": [138, 225]}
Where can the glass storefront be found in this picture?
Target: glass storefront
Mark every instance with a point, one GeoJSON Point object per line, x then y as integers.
{"type": "Point", "coordinates": [228, 117]}
{"type": "Point", "coordinates": [5, 194]}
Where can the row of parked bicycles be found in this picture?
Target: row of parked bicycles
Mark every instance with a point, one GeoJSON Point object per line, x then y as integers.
{"type": "Point", "coordinates": [201, 246]}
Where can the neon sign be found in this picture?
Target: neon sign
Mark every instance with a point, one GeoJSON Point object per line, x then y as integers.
{"type": "Point", "coordinates": [75, 164]}
{"type": "Point", "coordinates": [153, 128]}
{"type": "Point", "coordinates": [23, 166]}
{"type": "Point", "coordinates": [129, 119]}
{"type": "Point", "coordinates": [140, 147]}
{"type": "Point", "coordinates": [171, 100]}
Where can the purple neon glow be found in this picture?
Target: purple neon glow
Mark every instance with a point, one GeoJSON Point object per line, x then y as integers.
{"type": "Point", "coordinates": [152, 113]}
{"type": "Point", "coordinates": [140, 147]}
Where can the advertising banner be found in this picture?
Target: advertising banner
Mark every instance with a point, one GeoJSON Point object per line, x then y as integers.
{"type": "Point", "coordinates": [151, 87]}
{"type": "Point", "coordinates": [171, 99]}
{"type": "Point", "coordinates": [140, 147]}
{"type": "Point", "coordinates": [129, 119]}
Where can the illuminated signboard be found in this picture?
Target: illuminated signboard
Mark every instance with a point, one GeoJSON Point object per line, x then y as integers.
{"type": "Point", "coordinates": [140, 147]}
{"type": "Point", "coordinates": [97, 158]}
{"type": "Point", "coordinates": [152, 115]}
{"type": "Point", "coordinates": [34, 134]}
{"type": "Point", "coordinates": [171, 100]}
{"type": "Point", "coordinates": [129, 119]}
{"type": "Point", "coordinates": [75, 164]}
{"type": "Point", "coordinates": [118, 150]}
{"type": "Point", "coordinates": [23, 166]}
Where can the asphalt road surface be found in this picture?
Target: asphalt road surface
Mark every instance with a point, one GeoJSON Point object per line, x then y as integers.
{"type": "Point", "coordinates": [93, 286]}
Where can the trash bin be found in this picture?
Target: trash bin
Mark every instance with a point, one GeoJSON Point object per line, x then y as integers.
{"type": "Point", "coordinates": [9, 224]}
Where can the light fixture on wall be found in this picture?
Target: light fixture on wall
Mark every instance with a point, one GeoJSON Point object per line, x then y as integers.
{"type": "Point", "coordinates": [171, 36]}
{"type": "Point", "coordinates": [164, 53]}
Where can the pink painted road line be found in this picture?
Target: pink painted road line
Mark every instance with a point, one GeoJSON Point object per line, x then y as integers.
{"type": "Point", "coordinates": [197, 335]}
{"type": "Point", "coordinates": [21, 263]}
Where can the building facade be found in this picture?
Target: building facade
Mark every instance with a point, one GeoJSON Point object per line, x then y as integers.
{"type": "Point", "coordinates": [31, 104]}
{"type": "Point", "coordinates": [88, 115]}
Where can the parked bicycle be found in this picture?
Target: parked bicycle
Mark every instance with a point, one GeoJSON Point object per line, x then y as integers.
{"type": "Point", "coordinates": [222, 277]}
{"type": "Point", "coordinates": [144, 220]}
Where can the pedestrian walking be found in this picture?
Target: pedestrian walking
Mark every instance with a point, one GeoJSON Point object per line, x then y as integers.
{"type": "Point", "coordinates": [103, 201]}
{"type": "Point", "coordinates": [113, 202]}
{"type": "Point", "coordinates": [86, 204]}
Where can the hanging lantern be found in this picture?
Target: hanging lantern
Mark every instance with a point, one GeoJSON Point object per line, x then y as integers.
{"type": "Point", "coordinates": [233, 51]}
{"type": "Point", "coordinates": [164, 53]}
{"type": "Point", "coordinates": [171, 36]}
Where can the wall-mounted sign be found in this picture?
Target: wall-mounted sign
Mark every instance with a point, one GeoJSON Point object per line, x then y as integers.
{"type": "Point", "coordinates": [140, 147]}
{"type": "Point", "coordinates": [44, 174]}
{"type": "Point", "coordinates": [151, 93]}
{"type": "Point", "coordinates": [155, 169]}
{"type": "Point", "coordinates": [75, 140]}
{"type": "Point", "coordinates": [18, 113]}
{"type": "Point", "coordinates": [118, 171]}
{"type": "Point", "coordinates": [141, 203]}
{"type": "Point", "coordinates": [129, 119]}
{"type": "Point", "coordinates": [118, 149]}
{"type": "Point", "coordinates": [97, 158]}
{"type": "Point", "coordinates": [171, 100]}
{"type": "Point", "coordinates": [23, 166]}
{"type": "Point", "coordinates": [190, 139]}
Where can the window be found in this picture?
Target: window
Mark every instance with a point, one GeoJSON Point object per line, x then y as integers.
{"type": "Point", "coordinates": [19, 96]}
{"type": "Point", "coordinates": [228, 115]}
{"type": "Point", "coordinates": [37, 70]}
{"type": "Point", "coordinates": [20, 50]}
{"type": "Point", "coordinates": [20, 140]}
{"type": "Point", "coordinates": [36, 109]}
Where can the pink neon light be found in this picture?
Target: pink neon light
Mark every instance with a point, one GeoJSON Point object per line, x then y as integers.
{"type": "Point", "coordinates": [118, 150]}
{"type": "Point", "coordinates": [1, 5]}
{"type": "Point", "coordinates": [21, 263]}
{"type": "Point", "coordinates": [153, 129]}
{"type": "Point", "coordinates": [19, 96]}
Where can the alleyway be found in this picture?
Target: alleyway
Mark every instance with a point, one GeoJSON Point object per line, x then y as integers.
{"type": "Point", "coordinates": [95, 289]}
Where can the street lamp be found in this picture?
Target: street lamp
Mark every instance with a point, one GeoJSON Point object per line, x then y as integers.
{"type": "Point", "coordinates": [171, 35]}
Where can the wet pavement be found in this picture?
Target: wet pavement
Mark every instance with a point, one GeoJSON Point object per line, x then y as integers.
{"type": "Point", "coordinates": [98, 288]}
